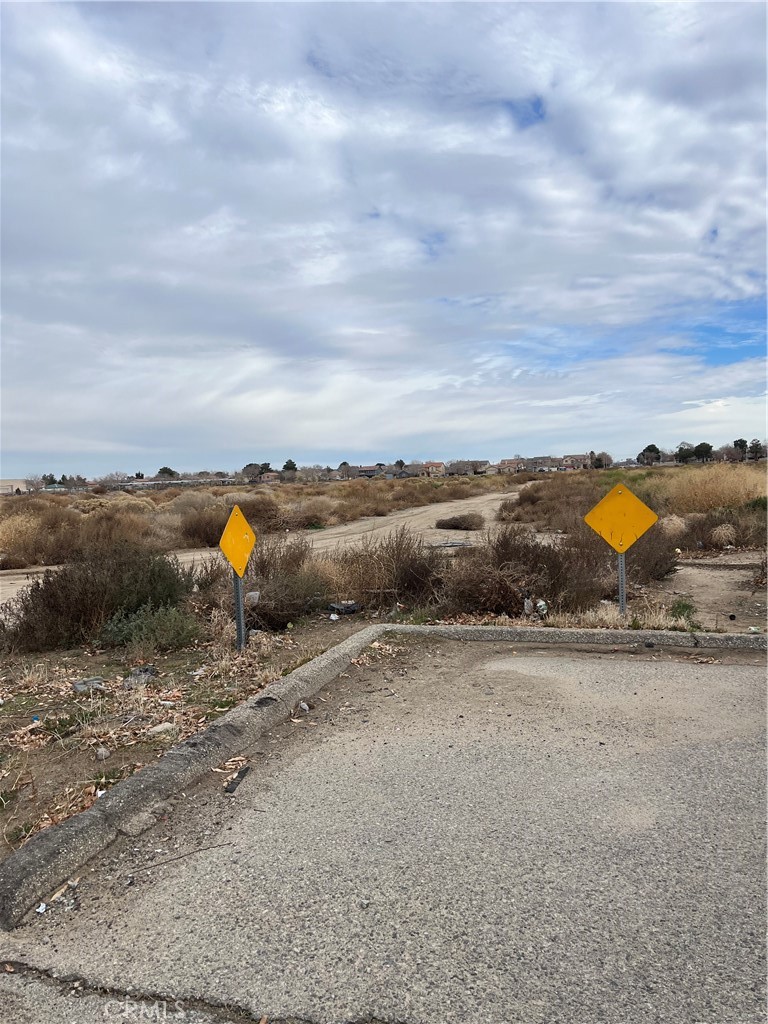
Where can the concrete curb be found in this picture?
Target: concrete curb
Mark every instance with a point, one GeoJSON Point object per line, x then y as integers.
{"type": "Point", "coordinates": [133, 806]}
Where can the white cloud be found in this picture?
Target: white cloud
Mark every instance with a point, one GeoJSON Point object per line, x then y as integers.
{"type": "Point", "coordinates": [452, 226]}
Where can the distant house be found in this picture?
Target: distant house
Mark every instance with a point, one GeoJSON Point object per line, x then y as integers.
{"type": "Point", "coordinates": [434, 468]}
{"type": "Point", "coordinates": [576, 462]}
{"type": "Point", "coordinates": [269, 478]}
{"type": "Point", "coordinates": [369, 472]}
{"type": "Point", "coordinates": [466, 467]}
{"type": "Point", "coordinates": [11, 486]}
{"type": "Point", "coordinates": [518, 465]}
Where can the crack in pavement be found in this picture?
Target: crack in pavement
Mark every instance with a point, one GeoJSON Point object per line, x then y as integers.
{"type": "Point", "coordinates": [78, 986]}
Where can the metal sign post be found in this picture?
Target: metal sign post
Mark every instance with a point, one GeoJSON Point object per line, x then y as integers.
{"type": "Point", "coordinates": [622, 583]}
{"type": "Point", "coordinates": [240, 611]}
{"type": "Point", "coordinates": [620, 519]}
{"type": "Point", "coordinates": [237, 542]}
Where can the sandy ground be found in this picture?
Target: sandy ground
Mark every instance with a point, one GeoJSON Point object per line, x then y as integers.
{"type": "Point", "coordinates": [419, 520]}
{"type": "Point", "coordinates": [724, 594]}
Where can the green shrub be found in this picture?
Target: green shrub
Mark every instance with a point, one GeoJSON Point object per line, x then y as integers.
{"type": "Point", "coordinates": [69, 606]}
{"type": "Point", "coordinates": [165, 629]}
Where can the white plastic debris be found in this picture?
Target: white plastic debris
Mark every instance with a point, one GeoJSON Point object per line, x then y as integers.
{"type": "Point", "coordinates": [41, 909]}
{"type": "Point", "coordinates": [304, 706]}
{"type": "Point", "coordinates": [333, 617]}
{"type": "Point", "coordinates": [528, 606]}
{"type": "Point", "coordinates": [541, 607]}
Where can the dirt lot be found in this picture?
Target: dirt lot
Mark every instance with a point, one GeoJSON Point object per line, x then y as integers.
{"type": "Point", "coordinates": [50, 735]}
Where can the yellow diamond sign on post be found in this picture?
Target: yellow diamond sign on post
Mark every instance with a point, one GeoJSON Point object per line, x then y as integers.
{"type": "Point", "coordinates": [237, 541]}
{"type": "Point", "coordinates": [620, 518]}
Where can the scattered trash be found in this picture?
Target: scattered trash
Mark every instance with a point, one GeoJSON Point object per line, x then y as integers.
{"type": "Point", "coordinates": [344, 607]}
{"type": "Point", "coordinates": [139, 676]}
{"type": "Point", "coordinates": [732, 618]}
{"type": "Point", "coordinates": [253, 633]}
{"type": "Point", "coordinates": [231, 785]}
{"type": "Point", "coordinates": [753, 629]}
{"type": "Point", "coordinates": [89, 685]}
{"type": "Point", "coordinates": [528, 606]}
{"type": "Point", "coordinates": [251, 599]}
{"type": "Point", "coordinates": [334, 617]}
{"type": "Point", "coordinates": [41, 909]}
{"type": "Point", "coordinates": [102, 753]}
{"type": "Point", "coordinates": [542, 607]}
{"type": "Point", "coordinates": [234, 764]}
{"type": "Point", "coordinates": [198, 671]}
{"type": "Point", "coordinates": [303, 705]}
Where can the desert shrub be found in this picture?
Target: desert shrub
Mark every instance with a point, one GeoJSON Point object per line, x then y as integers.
{"type": "Point", "coordinates": [291, 583]}
{"type": "Point", "coordinates": [203, 527]}
{"type": "Point", "coordinates": [506, 511]}
{"type": "Point", "coordinates": [263, 511]}
{"type": "Point", "coordinates": [112, 526]}
{"type": "Point", "coordinates": [398, 567]}
{"type": "Point", "coordinates": [314, 512]}
{"type": "Point", "coordinates": [652, 557]}
{"type": "Point", "coordinates": [495, 576]}
{"type": "Point", "coordinates": [45, 534]}
{"type": "Point", "coordinates": [167, 628]}
{"type": "Point", "coordinates": [742, 527]}
{"type": "Point", "coordinates": [69, 606]}
{"type": "Point", "coordinates": [466, 521]}
{"type": "Point", "coordinates": [673, 526]}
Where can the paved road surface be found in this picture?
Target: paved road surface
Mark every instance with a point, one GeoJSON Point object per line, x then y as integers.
{"type": "Point", "coordinates": [458, 833]}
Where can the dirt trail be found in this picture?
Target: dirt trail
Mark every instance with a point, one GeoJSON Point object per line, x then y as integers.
{"type": "Point", "coordinates": [420, 520]}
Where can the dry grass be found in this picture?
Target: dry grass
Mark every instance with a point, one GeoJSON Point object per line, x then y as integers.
{"type": "Point", "coordinates": [54, 529]}
{"type": "Point", "coordinates": [465, 521]}
{"type": "Point", "coordinates": [705, 488]}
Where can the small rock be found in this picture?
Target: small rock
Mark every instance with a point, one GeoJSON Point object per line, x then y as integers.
{"type": "Point", "coordinates": [163, 729]}
{"type": "Point", "coordinates": [139, 676]}
{"type": "Point", "coordinates": [732, 618]}
{"type": "Point", "coordinates": [144, 670]}
{"type": "Point", "coordinates": [649, 643]}
{"type": "Point", "coordinates": [89, 685]}
{"type": "Point", "coordinates": [253, 633]}
{"type": "Point", "coordinates": [102, 753]}
{"type": "Point", "coordinates": [303, 705]}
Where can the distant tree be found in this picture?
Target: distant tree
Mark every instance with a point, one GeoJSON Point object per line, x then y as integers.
{"type": "Point", "coordinates": [252, 470]}
{"type": "Point", "coordinates": [34, 482]}
{"type": "Point", "coordinates": [167, 473]}
{"type": "Point", "coordinates": [649, 455]}
{"type": "Point", "coordinates": [138, 476]}
{"type": "Point", "coordinates": [703, 451]}
{"type": "Point", "coordinates": [290, 466]}
{"type": "Point", "coordinates": [265, 467]}
{"type": "Point", "coordinates": [756, 449]}
{"type": "Point", "coordinates": [741, 445]}
{"type": "Point", "coordinates": [344, 469]}
{"type": "Point", "coordinates": [400, 463]}
{"type": "Point", "coordinates": [603, 460]}
{"type": "Point", "coordinates": [727, 453]}
{"type": "Point", "coordinates": [48, 479]}
{"type": "Point", "coordinates": [685, 452]}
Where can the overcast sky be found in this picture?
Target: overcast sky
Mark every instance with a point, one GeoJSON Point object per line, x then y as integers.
{"type": "Point", "coordinates": [248, 232]}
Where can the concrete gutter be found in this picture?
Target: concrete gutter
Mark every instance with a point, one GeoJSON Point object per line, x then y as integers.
{"type": "Point", "coordinates": [31, 873]}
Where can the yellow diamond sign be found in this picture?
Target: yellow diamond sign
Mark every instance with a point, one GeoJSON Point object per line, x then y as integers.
{"type": "Point", "coordinates": [620, 518]}
{"type": "Point", "coordinates": [237, 541]}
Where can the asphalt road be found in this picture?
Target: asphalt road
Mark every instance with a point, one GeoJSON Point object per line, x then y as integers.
{"type": "Point", "coordinates": [457, 833]}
